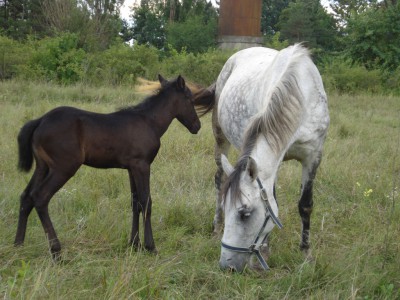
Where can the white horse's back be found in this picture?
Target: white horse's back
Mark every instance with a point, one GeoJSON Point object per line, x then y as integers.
{"type": "Point", "coordinates": [247, 79]}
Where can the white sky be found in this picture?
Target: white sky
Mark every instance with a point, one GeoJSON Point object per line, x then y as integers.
{"type": "Point", "coordinates": [126, 8]}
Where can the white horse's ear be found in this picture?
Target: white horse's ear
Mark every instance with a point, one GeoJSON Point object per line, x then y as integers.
{"type": "Point", "coordinates": [226, 165]}
{"type": "Point", "coordinates": [252, 169]}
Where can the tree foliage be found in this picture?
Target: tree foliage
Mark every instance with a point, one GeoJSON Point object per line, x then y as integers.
{"type": "Point", "coordinates": [271, 10]}
{"type": "Point", "coordinates": [190, 24]}
{"type": "Point", "coordinates": [307, 21]}
{"type": "Point", "coordinates": [96, 22]}
{"type": "Point", "coordinates": [149, 24]}
{"type": "Point", "coordinates": [374, 37]}
{"type": "Point", "coordinates": [344, 10]}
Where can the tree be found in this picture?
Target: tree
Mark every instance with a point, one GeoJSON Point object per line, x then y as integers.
{"type": "Point", "coordinates": [194, 34]}
{"type": "Point", "coordinates": [20, 18]}
{"type": "Point", "coordinates": [374, 37]}
{"type": "Point", "coordinates": [190, 24]}
{"type": "Point", "coordinates": [103, 24]}
{"type": "Point", "coordinates": [271, 10]}
{"type": "Point", "coordinates": [343, 10]}
{"type": "Point", "coordinates": [149, 25]}
{"type": "Point", "coordinates": [307, 21]}
{"type": "Point", "coordinates": [96, 22]}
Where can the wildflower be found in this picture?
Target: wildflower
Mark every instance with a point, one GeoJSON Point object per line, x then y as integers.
{"type": "Point", "coordinates": [368, 192]}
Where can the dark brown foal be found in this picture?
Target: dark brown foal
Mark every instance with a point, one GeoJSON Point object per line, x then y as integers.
{"type": "Point", "coordinates": [65, 138]}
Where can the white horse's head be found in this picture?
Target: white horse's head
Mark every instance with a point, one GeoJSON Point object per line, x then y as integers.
{"type": "Point", "coordinates": [248, 216]}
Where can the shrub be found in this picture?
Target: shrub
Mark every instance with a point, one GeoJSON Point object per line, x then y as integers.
{"type": "Point", "coordinates": [13, 55]}
{"type": "Point", "coordinates": [200, 68]}
{"type": "Point", "coordinates": [55, 59]}
{"type": "Point", "coordinates": [194, 34]}
{"type": "Point", "coordinates": [340, 76]}
{"type": "Point", "coordinates": [121, 64]}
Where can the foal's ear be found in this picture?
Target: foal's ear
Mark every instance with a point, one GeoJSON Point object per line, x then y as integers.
{"type": "Point", "coordinates": [162, 80]}
{"type": "Point", "coordinates": [180, 83]}
{"type": "Point", "coordinates": [226, 165]}
{"type": "Point", "coordinates": [251, 168]}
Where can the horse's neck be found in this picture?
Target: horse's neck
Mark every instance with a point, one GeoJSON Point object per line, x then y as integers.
{"type": "Point", "coordinates": [268, 164]}
{"type": "Point", "coordinates": [161, 114]}
{"type": "Point", "coordinates": [267, 160]}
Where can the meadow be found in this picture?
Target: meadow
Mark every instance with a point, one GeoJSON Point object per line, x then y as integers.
{"type": "Point", "coordinates": [355, 229]}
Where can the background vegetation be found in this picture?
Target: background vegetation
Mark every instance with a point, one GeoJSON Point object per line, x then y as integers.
{"type": "Point", "coordinates": [76, 53]}
{"type": "Point", "coordinates": [355, 226]}
{"type": "Point", "coordinates": [356, 45]}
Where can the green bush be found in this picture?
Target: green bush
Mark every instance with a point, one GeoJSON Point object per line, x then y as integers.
{"type": "Point", "coordinates": [122, 64]}
{"type": "Point", "coordinates": [340, 76]}
{"type": "Point", "coordinates": [199, 68]}
{"type": "Point", "coordinates": [13, 55]}
{"type": "Point", "coordinates": [194, 34]}
{"type": "Point", "coordinates": [55, 59]}
{"type": "Point", "coordinates": [392, 81]}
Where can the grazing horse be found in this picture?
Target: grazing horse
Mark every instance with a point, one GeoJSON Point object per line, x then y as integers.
{"type": "Point", "coordinates": [272, 106]}
{"type": "Point", "coordinates": [65, 138]}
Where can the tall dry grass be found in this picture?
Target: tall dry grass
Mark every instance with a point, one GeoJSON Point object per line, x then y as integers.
{"type": "Point", "coordinates": [355, 228]}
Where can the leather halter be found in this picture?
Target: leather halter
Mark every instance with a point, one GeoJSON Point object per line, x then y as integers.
{"type": "Point", "coordinates": [269, 214]}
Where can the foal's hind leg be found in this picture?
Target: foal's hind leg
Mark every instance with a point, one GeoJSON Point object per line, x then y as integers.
{"type": "Point", "coordinates": [27, 204]}
{"type": "Point", "coordinates": [306, 201]}
{"type": "Point", "coordinates": [222, 146]}
{"type": "Point", "coordinates": [41, 196]}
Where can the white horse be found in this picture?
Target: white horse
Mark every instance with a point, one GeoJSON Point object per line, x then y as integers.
{"type": "Point", "coordinates": [272, 106]}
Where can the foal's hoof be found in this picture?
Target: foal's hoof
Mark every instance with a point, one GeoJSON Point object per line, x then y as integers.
{"type": "Point", "coordinates": [152, 251]}
{"type": "Point", "coordinates": [56, 256]}
{"type": "Point", "coordinates": [136, 244]}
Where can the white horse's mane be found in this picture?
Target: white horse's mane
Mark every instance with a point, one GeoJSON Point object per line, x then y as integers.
{"type": "Point", "coordinates": [281, 117]}
{"type": "Point", "coordinates": [279, 120]}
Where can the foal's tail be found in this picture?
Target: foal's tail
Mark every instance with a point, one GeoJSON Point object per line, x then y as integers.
{"type": "Point", "coordinates": [204, 100]}
{"type": "Point", "coordinates": [25, 145]}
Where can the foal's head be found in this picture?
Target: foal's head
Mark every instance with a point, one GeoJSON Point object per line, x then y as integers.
{"type": "Point", "coordinates": [182, 98]}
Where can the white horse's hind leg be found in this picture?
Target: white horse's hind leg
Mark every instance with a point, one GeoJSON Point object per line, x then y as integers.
{"type": "Point", "coordinates": [222, 146]}
{"type": "Point", "coordinates": [305, 204]}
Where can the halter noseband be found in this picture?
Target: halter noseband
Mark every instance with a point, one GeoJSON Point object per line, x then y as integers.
{"type": "Point", "coordinates": [253, 249]}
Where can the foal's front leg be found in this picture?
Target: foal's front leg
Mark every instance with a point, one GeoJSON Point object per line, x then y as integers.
{"type": "Point", "coordinates": [141, 178]}
{"type": "Point", "coordinates": [136, 209]}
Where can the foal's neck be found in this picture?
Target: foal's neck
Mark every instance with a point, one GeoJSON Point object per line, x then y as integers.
{"type": "Point", "coordinates": [161, 113]}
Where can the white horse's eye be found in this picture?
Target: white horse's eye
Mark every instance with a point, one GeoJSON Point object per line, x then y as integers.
{"type": "Point", "coordinates": [244, 212]}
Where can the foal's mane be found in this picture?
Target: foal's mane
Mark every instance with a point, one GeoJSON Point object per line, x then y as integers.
{"type": "Point", "coordinates": [279, 120]}
{"type": "Point", "coordinates": [153, 92]}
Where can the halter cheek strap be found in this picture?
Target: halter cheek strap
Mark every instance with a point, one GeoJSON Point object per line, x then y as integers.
{"type": "Point", "coordinates": [253, 249]}
{"type": "Point", "coordinates": [264, 196]}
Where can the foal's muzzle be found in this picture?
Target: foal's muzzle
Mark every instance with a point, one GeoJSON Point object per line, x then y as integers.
{"type": "Point", "coordinates": [195, 127]}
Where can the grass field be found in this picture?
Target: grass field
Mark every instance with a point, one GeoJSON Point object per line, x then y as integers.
{"type": "Point", "coordinates": [355, 231]}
